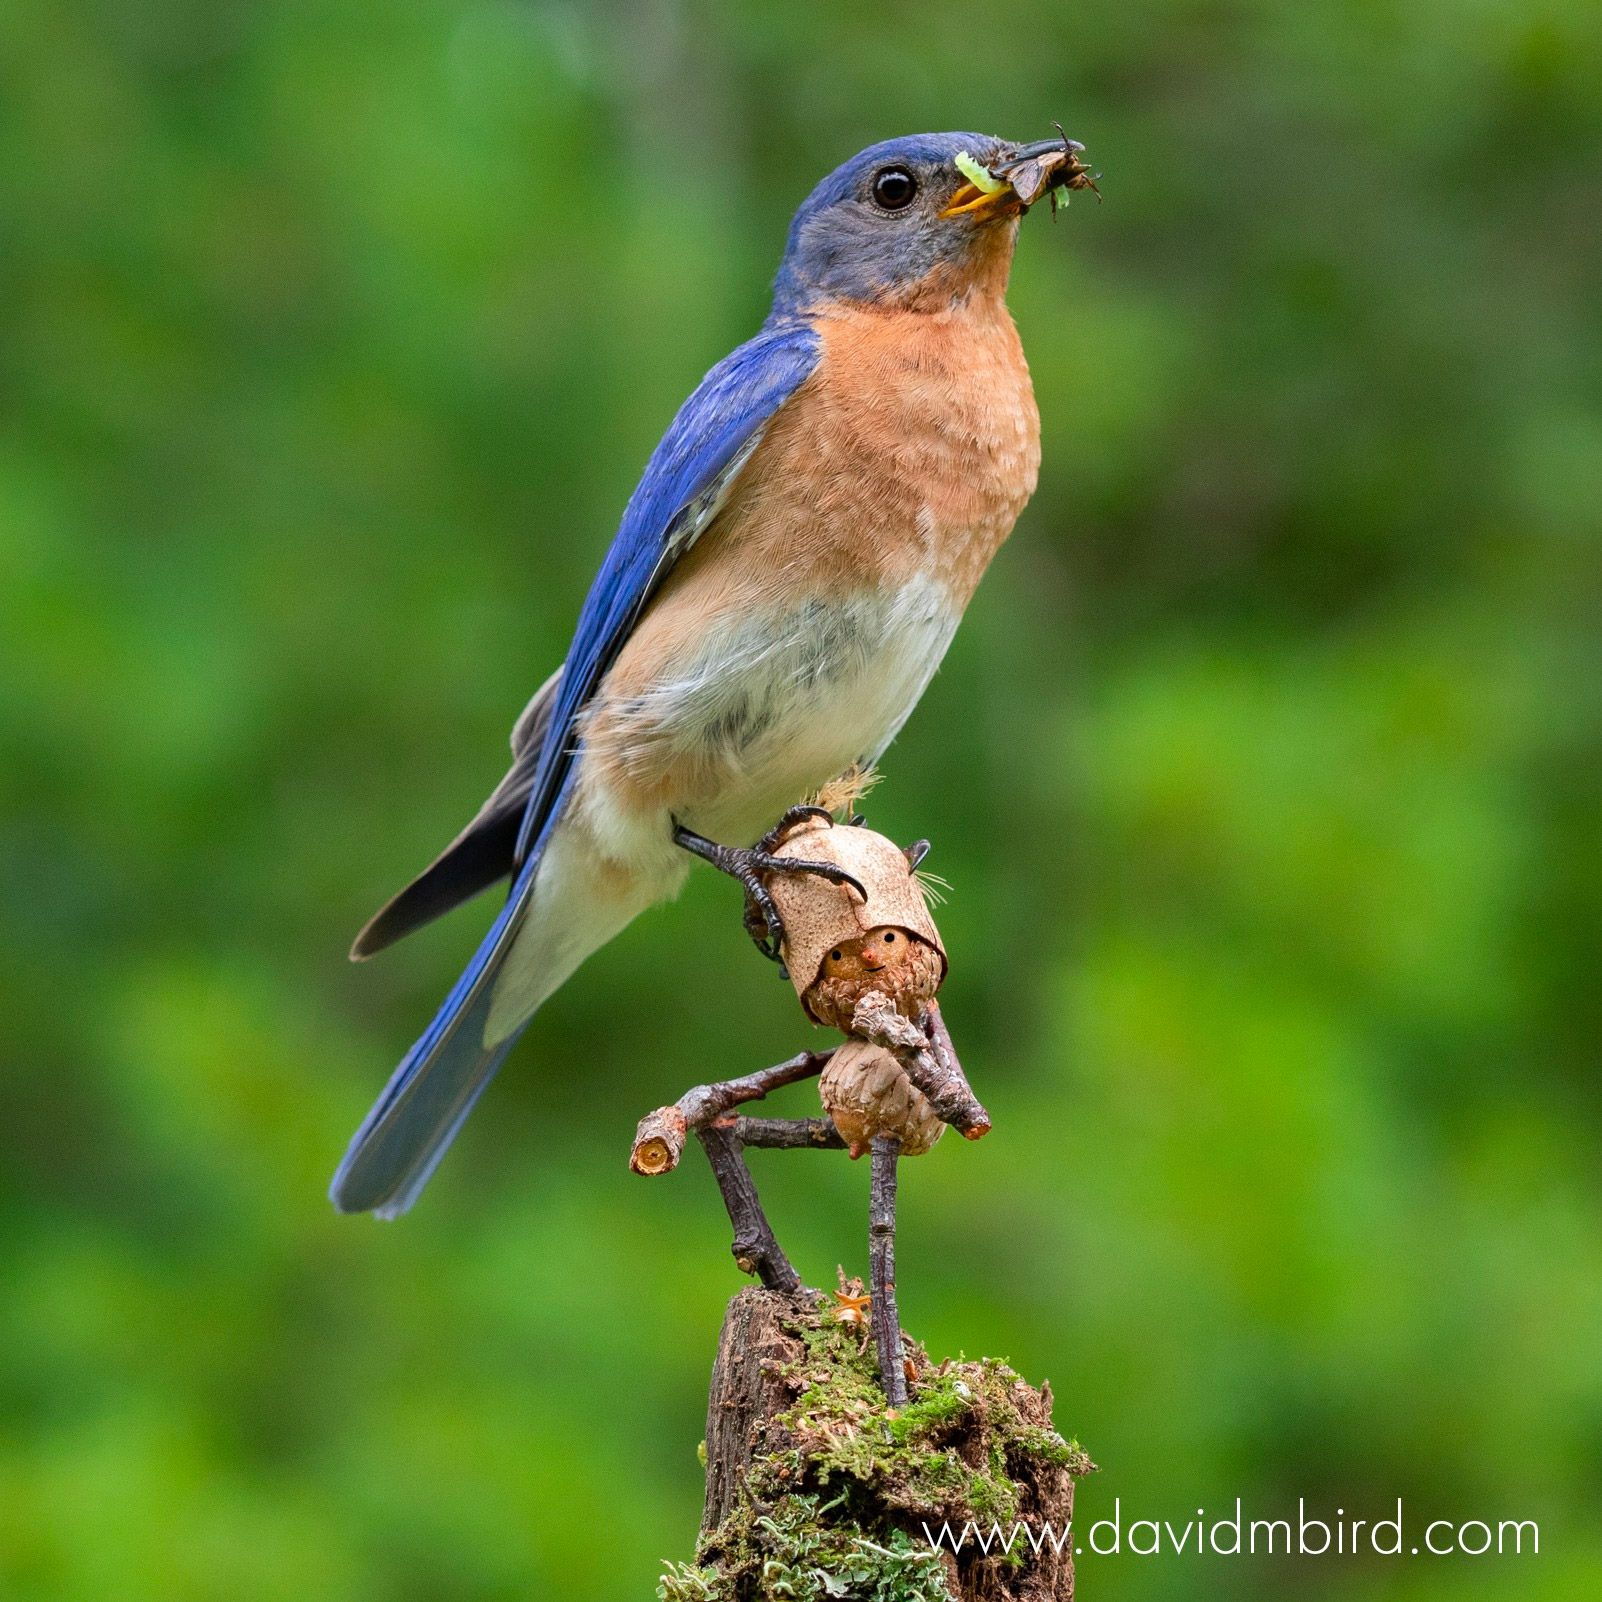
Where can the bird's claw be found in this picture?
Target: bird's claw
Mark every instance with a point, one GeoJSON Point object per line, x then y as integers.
{"type": "Point", "coordinates": [772, 840]}
{"type": "Point", "coordinates": [752, 864]}
{"type": "Point", "coordinates": [762, 920]}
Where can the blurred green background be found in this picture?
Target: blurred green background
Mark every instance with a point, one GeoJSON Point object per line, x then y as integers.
{"type": "Point", "coordinates": [1265, 769]}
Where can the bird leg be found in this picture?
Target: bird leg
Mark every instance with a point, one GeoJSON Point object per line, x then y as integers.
{"type": "Point", "coordinates": [882, 1268]}
{"type": "Point", "coordinates": [750, 865]}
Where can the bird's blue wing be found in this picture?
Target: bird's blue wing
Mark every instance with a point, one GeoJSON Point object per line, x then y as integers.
{"type": "Point", "coordinates": [429, 1095]}
{"type": "Point", "coordinates": [684, 483]}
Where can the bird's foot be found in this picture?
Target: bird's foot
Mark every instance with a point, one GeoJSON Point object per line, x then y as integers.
{"type": "Point", "coordinates": [774, 838]}
{"type": "Point", "coordinates": [751, 865]}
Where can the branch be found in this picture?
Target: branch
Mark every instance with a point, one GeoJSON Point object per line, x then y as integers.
{"type": "Point", "coordinates": [659, 1140]}
{"type": "Point", "coordinates": [755, 1249]}
{"type": "Point", "coordinates": [929, 1059]}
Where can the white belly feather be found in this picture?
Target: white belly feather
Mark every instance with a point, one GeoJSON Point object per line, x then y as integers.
{"type": "Point", "coordinates": [775, 706]}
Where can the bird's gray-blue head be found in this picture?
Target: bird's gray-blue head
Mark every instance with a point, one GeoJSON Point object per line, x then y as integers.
{"type": "Point", "coordinates": [920, 221]}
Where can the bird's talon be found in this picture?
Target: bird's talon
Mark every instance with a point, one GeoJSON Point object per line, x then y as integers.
{"type": "Point", "coordinates": [750, 865]}
{"type": "Point", "coordinates": [775, 836]}
{"type": "Point", "coordinates": [762, 921]}
{"type": "Point", "coordinates": [832, 871]}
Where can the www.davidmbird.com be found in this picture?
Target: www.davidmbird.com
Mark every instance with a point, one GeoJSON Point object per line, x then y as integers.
{"type": "Point", "coordinates": [1237, 1536]}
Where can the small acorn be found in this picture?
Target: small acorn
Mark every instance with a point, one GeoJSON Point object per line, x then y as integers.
{"type": "Point", "coordinates": [867, 1093]}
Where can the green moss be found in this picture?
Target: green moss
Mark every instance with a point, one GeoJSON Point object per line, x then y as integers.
{"type": "Point", "coordinates": [792, 1549]}
{"type": "Point", "coordinates": [687, 1582]}
{"type": "Point", "coordinates": [951, 1451]}
{"type": "Point", "coordinates": [838, 1491]}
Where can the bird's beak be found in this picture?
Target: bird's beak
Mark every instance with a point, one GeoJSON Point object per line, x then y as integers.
{"type": "Point", "coordinates": [1012, 183]}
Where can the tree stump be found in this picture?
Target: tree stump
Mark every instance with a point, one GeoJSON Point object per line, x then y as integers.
{"type": "Point", "coordinates": [816, 1490]}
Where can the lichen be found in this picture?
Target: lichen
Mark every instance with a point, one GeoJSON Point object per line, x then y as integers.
{"type": "Point", "coordinates": [839, 1488]}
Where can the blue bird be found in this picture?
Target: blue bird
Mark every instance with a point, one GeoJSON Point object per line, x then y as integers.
{"type": "Point", "coordinates": [786, 578]}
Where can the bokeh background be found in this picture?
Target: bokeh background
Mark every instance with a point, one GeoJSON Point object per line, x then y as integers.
{"type": "Point", "coordinates": [1265, 771]}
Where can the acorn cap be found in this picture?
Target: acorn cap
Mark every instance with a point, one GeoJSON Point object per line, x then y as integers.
{"type": "Point", "coordinates": [818, 915]}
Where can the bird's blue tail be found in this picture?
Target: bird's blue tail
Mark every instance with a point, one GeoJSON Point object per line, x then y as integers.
{"type": "Point", "coordinates": [428, 1097]}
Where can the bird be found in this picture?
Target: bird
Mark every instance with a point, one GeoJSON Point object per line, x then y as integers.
{"type": "Point", "coordinates": [785, 580]}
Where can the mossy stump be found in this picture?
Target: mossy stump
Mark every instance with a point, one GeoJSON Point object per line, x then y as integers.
{"type": "Point", "coordinates": [815, 1490]}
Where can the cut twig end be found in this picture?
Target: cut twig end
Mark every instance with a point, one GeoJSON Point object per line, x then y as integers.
{"type": "Point", "coordinates": [652, 1157]}
{"type": "Point", "coordinates": [659, 1142]}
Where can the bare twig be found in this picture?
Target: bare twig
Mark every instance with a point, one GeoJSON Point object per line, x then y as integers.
{"type": "Point", "coordinates": [755, 1249]}
{"type": "Point", "coordinates": [659, 1140]}
{"type": "Point", "coordinates": [788, 1133]}
{"type": "Point", "coordinates": [934, 1025]}
{"type": "Point", "coordinates": [929, 1059]}
{"type": "Point", "coordinates": [659, 1143]}
{"type": "Point", "coordinates": [882, 1269]}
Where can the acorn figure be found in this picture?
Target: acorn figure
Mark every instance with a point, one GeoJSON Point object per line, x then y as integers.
{"type": "Point", "coordinates": [851, 924]}
{"type": "Point", "coordinates": [841, 948]}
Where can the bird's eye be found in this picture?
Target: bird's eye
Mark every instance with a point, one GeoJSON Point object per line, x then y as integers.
{"type": "Point", "coordinates": [834, 956]}
{"type": "Point", "coordinates": [893, 189]}
{"type": "Point", "coordinates": [889, 936]}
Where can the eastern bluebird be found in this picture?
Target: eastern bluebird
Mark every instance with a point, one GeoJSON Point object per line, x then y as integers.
{"type": "Point", "coordinates": [785, 581]}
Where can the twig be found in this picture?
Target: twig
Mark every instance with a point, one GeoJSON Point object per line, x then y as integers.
{"type": "Point", "coordinates": [787, 1133]}
{"type": "Point", "coordinates": [754, 1247]}
{"type": "Point", "coordinates": [659, 1143]}
{"type": "Point", "coordinates": [934, 1025]}
{"type": "Point", "coordinates": [882, 1269]}
{"type": "Point", "coordinates": [929, 1059]}
{"type": "Point", "coordinates": [659, 1140]}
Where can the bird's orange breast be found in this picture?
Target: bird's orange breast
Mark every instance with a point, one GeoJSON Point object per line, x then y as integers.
{"type": "Point", "coordinates": [910, 450]}
{"type": "Point", "coordinates": [936, 415]}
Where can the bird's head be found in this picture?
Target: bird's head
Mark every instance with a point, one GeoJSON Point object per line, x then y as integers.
{"type": "Point", "coordinates": [921, 221]}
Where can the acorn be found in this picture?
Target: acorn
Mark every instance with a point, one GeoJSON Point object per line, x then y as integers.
{"type": "Point", "coordinates": [839, 947]}
{"type": "Point", "coordinates": [866, 1092]}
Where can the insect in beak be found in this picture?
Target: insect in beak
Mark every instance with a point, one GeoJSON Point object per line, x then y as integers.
{"type": "Point", "coordinates": [1014, 182]}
